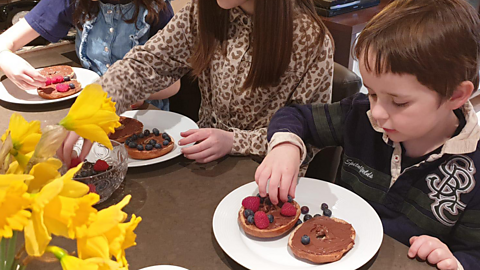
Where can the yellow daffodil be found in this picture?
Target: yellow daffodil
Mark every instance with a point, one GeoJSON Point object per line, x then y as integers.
{"type": "Point", "coordinates": [92, 116]}
{"type": "Point", "coordinates": [25, 135]}
{"type": "Point", "coordinates": [92, 242]}
{"type": "Point", "coordinates": [122, 237]}
{"type": "Point", "coordinates": [72, 188]}
{"type": "Point", "coordinates": [64, 215]}
{"type": "Point", "coordinates": [73, 263]}
{"type": "Point", "coordinates": [43, 173]}
{"type": "Point", "coordinates": [13, 203]}
{"type": "Point", "coordinates": [37, 236]}
{"type": "Point", "coordinates": [7, 179]}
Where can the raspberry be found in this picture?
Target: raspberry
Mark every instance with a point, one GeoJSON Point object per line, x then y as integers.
{"type": "Point", "coordinates": [57, 79]}
{"type": "Point", "coordinates": [100, 166]}
{"type": "Point", "coordinates": [251, 203]}
{"type": "Point", "coordinates": [74, 162]}
{"type": "Point", "coordinates": [288, 210]}
{"type": "Point", "coordinates": [261, 220]}
{"type": "Point", "coordinates": [48, 81]}
{"type": "Point", "coordinates": [92, 188]}
{"type": "Point", "coordinates": [62, 87]}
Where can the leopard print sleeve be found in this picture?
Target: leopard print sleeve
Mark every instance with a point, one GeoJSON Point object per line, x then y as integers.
{"type": "Point", "coordinates": [156, 65]}
{"type": "Point", "coordinates": [314, 87]}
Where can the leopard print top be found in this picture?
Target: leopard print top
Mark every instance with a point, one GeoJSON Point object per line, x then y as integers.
{"type": "Point", "coordinates": [224, 104]}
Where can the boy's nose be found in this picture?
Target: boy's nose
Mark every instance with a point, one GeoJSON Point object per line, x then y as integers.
{"type": "Point", "coordinates": [379, 112]}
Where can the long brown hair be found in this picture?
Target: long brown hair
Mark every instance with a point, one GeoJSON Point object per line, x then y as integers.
{"type": "Point", "coordinates": [438, 41]}
{"type": "Point", "coordinates": [272, 37]}
{"type": "Point", "coordinates": [88, 9]}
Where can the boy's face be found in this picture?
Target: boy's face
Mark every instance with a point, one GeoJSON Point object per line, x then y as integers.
{"type": "Point", "coordinates": [402, 106]}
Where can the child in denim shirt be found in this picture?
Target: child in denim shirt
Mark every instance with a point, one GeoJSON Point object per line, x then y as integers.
{"type": "Point", "coordinates": [106, 31]}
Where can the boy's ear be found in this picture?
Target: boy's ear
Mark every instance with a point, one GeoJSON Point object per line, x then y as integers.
{"type": "Point", "coordinates": [461, 95]}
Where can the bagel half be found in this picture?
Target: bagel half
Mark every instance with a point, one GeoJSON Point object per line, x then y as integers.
{"type": "Point", "coordinates": [129, 126]}
{"type": "Point", "coordinates": [315, 254]}
{"type": "Point", "coordinates": [269, 232]}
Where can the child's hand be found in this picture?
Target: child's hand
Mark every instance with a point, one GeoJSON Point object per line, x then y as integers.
{"type": "Point", "coordinates": [281, 166]}
{"type": "Point", "coordinates": [213, 144]}
{"type": "Point", "coordinates": [432, 250]}
{"type": "Point", "coordinates": [20, 72]}
{"type": "Point", "coordinates": [64, 153]}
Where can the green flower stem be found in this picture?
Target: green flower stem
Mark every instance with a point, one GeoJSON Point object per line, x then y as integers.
{"type": "Point", "coordinates": [3, 250]}
{"type": "Point", "coordinates": [11, 251]}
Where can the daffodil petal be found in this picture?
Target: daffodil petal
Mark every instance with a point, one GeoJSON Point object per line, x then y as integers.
{"type": "Point", "coordinates": [7, 179]}
{"type": "Point", "coordinates": [37, 236]}
{"type": "Point", "coordinates": [94, 133]}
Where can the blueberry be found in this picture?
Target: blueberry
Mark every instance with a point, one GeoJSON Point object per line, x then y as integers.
{"type": "Point", "coordinates": [324, 206]}
{"type": "Point", "coordinates": [128, 141]}
{"type": "Point", "coordinates": [165, 142]}
{"type": "Point", "coordinates": [132, 145]}
{"type": "Point", "coordinates": [270, 218]}
{"type": "Point", "coordinates": [248, 212]}
{"type": "Point", "coordinates": [84, 173]}
{"type": "Point", "coordinates": [71, 85]}
{"type": "Point", "coordinates": [317, 215]}
{"type": "Point", "coordinates": [146, 132]}
{"type": "Point", "coordinates": [152, 142]}
{"type": "Point", "coordinates": [158, 146]}
{"type": "Point", "coordinates": [307, 217]}
{"type": "Point", "coordinates": [250, 219]}
{"type": "Point", "coordinates": [134, 137]}
{"type": "Point", "coordinates": [290, 199]}
{"type": "Point", "coordinates": [156, 131]}
{"type": "Point", "coordinates": [165, 136]}
{"type": "Point", "coordinates": [304, 209]}
{"type": "Point", "coordinates": [139, 147]}
{"type": "Point", "coordinates": [299, 221]}
{"type": "Point", "coordinates": [305, 239]}
{"type": "Point", "coordinates": [141, 135]}
{"type": "Point", "coordinates": [262, 199]}
{"type": "Point", "coordinates": [148, 147]}
{"type": "Point", "coordinates": [327, 212]}
{"type": "Point", "coordinates": [66, 78]}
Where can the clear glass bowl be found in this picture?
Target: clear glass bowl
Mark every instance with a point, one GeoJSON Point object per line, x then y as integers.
{"type": "Point", "coordinates": [103, 183]}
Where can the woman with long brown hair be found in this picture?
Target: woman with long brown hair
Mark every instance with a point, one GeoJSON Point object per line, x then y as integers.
{"type": "Point", "coordinates": [251, 57]}
{"type": "Point", "coordinates": [106, 31]}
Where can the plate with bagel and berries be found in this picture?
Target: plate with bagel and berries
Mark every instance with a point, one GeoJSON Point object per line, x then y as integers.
{"type": "Point", "coordinates": [324, 227]}
{"type": "Point", "coordinates": [151, 136]}
{"type": "Point", "coordinates": [62, 83]}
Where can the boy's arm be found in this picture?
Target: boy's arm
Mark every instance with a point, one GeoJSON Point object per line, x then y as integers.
{"type": "Point", "coordinates": [159, 63]}
{"type": "Point", "coordinates": [319, 125]}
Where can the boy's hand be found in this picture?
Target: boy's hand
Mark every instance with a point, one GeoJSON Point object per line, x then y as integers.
{"type": "Point", "coordinates": [213, 144]}
{"type": "Point", "coordinates": [281, 166]}
{"type": "Point", "coordinates": [432, 250]}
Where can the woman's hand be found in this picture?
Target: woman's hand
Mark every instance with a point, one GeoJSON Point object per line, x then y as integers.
{"type": "Point", "coordinates": [213, 144]}
{"type": "Point", "coordinates": [432, 250]}
{"type": "Point", "coordinates": [20, 72]}
{"type": "Point", "coordinates": [281, 166]}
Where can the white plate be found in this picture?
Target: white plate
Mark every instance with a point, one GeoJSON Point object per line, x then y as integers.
{"type": "Point", "coordinates": [9, 92]}
{"type": "Point", "coordinates": [170, 122]}
{"type": "Point", "coordinates": [164, 267]}
{"type": "Point", "coordinates": [256, 253]}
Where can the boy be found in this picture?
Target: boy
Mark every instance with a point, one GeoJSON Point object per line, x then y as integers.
{"type": "Point", "coordinates": [410, 147]}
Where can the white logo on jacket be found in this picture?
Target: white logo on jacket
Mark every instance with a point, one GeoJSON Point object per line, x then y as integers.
{"type": "Point", "coordinates": [456, 179]}
{"type": "Point", "coordinates": [359, 167]}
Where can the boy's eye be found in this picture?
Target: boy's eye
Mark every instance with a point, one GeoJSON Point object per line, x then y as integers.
{"type": "Point", "coordinates": [403, 104]}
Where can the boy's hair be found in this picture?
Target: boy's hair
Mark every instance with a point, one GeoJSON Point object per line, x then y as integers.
{"type": "Point", "coordinates": [272, 37]}
{"type": "Point", "coordinates": [86, 10]}
{"type": "Point", "coordinates": [435, 40]}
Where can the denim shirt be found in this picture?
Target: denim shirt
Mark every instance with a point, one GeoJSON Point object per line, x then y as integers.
{"type": "Point", "coordinates": [107, 38]}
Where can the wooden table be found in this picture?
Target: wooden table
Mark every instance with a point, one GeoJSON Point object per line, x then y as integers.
{"type": "Point", "coordinates": [176, 200]}
{"type": "Point", "coordinates": [346, 27]}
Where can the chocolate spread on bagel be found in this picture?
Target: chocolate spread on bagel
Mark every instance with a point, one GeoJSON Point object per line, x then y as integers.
{"type": "Point", "coordinates": [326, 236]}
{"type": "Point", "coordinates": [129, 126]}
